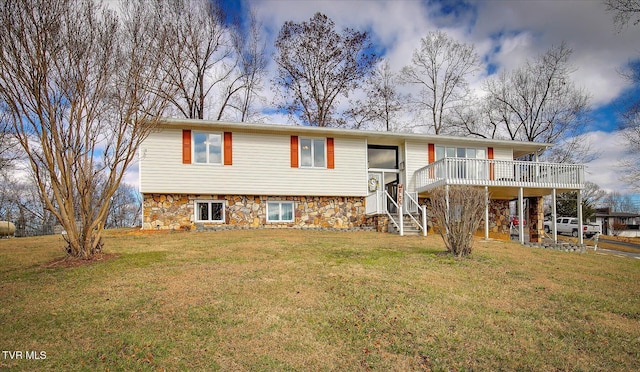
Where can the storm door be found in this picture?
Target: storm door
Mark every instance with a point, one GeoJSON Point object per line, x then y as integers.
{"type": "Point", "coordinates": [384, 174]}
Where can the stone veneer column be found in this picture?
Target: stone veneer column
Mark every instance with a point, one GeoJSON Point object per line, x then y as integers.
{"type": "Point", "coordinates": [536, 219]}
{"type": "Point", "coordinates": [499, 215]}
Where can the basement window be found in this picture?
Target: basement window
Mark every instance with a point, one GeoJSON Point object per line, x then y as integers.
{"type": "Point", "coordinates": [209, 211]}
{"type": "Point", "coordinates": [279, 211]}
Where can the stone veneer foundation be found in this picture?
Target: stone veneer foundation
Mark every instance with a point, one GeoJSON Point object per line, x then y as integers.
{"type": "Point", "coordinates": [176, 211]}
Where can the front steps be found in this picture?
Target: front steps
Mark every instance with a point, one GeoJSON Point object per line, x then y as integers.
{"type": "Point", "coordinates": [409, 226]}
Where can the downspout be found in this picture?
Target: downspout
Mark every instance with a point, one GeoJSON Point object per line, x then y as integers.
{"type": "Point", "coordinates": [580, 226]}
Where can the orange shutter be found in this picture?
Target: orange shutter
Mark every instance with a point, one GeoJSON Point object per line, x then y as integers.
{"type": "Point", "coordinates": [228, 154]}
{"type": "Point", "coordinates": [490, 157]}
{"type": "Point", "coordinates": [432, 157]}
{"type": "Point", "coordinates": [330, 160]}
{"type": "Point", "coordinates": [294, 151]}
{"type": "Point", "coordinates": [186, 146]}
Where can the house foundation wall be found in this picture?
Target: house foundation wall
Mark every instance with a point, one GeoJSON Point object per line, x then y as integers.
{"type": "Point", "coordinates": [176, 212]}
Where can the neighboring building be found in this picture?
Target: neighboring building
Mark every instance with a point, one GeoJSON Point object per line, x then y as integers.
{"type": "Point", "coordinates": [197, 174]}
{"type": "Point", "coordinates": [628, 222]}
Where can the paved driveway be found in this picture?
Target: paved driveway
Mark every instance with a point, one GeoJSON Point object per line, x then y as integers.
{"type": "Point", "coordinates": [618, 253]}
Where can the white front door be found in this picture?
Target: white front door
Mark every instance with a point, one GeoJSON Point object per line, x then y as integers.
{"type": "Point", "coordinates": [375, 185]}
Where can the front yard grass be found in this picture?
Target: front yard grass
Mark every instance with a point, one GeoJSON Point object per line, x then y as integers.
{"type": "Point", "coordinates": [312, 300]}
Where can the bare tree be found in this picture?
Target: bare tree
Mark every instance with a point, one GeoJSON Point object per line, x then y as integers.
{"type": "Point", "coordinates": [471, 119]}
{"type": "Point", "coordinates": [81, 87]}
{"type": "Point", "coordinates": [618, 202]}
{"type": "Point", "coordinates": [20, 202]}
{"type": "Point", "coordinates": [125, 207]}
{"type": "Point", "coordinates": [458, 211]}
{"type": "Point", "coordinates": [316, 65]}
{"type": "Point", "coordinates": [630, 126]}
{"type": "Point", "coordinates": [624, 11]}
{"type": "Point", "coordinates": [383, 101]}
{"type": "Point", "coordinates": [8, 148]}
{"type": "Point", "coordinates": [440, 67]}
{"type": "Point", "coordinates": [198, 52]}
{"type": "Point", "coordinates": [241, 90]}
{"type": "Point", "coordinates": [538, 102]}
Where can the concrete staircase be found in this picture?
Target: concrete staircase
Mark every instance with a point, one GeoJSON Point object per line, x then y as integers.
{"type": "Point", "coordinates": [409, 226]}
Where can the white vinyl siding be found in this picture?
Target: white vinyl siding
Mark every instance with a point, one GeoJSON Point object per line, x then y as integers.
{"type": "Point", "coordinates": [503, 173]}
{"type": "Point", "coordinates": [261, 166]}
{"type": "Point", "coordinates": [502, 153]}
{"type": "Point", "coordinates": [416, 157]}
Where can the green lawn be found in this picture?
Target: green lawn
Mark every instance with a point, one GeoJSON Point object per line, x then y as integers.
{"type": "Point", "coordinates": [311, 300]}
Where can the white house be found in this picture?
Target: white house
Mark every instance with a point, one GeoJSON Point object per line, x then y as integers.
{"type": "Point", "coordinates": [617, 223]}
{"type": "Point", "coordinates": [211, 174]}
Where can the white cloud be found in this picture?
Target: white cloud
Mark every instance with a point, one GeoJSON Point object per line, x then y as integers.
{"type": "Point", "coordinates": [605, 170]}
{"type": "Point", "coordinates": [585, 25]}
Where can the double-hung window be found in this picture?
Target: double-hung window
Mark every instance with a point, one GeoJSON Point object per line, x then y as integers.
{"type": "Point", "coordinates": [209, 211]}
{"type": "Point", "coordinates": [313, 153]}
{"type": "Point", "coordinates": [280, 211]}
{"type": "Point", "coordinates": [207, 148]}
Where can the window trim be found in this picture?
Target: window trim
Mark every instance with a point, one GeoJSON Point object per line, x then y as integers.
{"type": "Point", "coordinates": [280, 203]}
{"type": "Point", "coordinates": [193, 147]}
{"type": "Point", "coordinates": [196, 217]}
{"type": "Point", "coordinates": [312, 139]}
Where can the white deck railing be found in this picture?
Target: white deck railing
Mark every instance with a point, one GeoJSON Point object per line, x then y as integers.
{"type": "Point", "coordinates": [490, 172]}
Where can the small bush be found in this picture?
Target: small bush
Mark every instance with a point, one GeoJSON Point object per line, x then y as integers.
{"type": "Point", "coordinates": [460, 217]}
{"type": "Point", "coordinates": [618, 227]}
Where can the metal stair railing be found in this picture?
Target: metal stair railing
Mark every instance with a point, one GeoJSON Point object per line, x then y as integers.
{"type": "Point", "coordinates": [398, 224]}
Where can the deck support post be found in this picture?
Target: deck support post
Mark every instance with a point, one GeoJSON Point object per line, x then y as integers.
{"type": "Point", "coordinates": [425, 226]}
{"type": "Point", "coordinates": [554, 215]}
{"type": "Point", "coordinates": [520, 216]}
{"type": "Point", "coordinates": [580, 226]}
{"type": "Point", "coordinates": [486, 213]}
